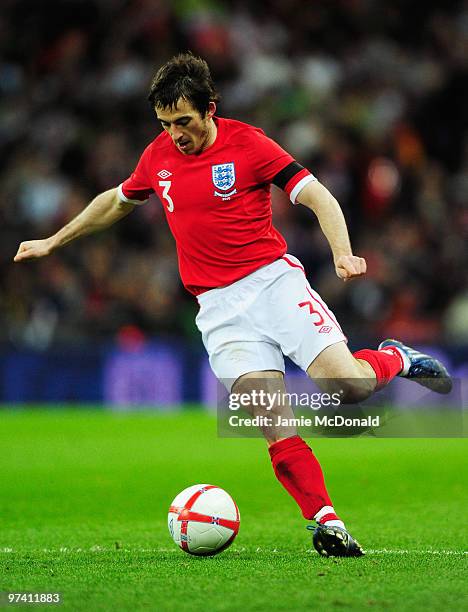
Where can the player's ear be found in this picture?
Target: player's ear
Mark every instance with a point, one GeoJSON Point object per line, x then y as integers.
{"type": "Point", "coordinates": [211, 109]}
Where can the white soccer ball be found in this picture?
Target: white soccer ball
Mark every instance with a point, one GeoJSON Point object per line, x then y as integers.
{"type": "Point", "coordinates": [203, 520]}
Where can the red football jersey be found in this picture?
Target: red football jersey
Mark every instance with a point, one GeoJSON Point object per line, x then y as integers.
{"type": "Point", "coordinates": [218, 203]}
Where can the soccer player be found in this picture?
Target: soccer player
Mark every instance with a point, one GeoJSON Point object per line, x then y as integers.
{"type": "Point", "coordinates": [213, 177]}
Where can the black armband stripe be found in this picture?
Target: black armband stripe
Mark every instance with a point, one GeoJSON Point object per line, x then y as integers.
{"type": "Point", "coordinates": [285, 175]}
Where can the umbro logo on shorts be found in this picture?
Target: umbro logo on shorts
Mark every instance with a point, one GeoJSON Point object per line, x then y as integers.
{"type": "Point", "coordinates": [164, 174]}
{"type": "Point", "coordinates": [325, 329]}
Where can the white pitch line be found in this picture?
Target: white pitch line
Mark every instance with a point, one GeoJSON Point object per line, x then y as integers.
{"type": "Point", "coordinates": [385, 551]}
{"type": "Point", "coordinates": [98, 549]}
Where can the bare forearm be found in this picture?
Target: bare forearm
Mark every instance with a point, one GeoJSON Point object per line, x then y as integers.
{"type": "Point", "coordinates": [330, 216]}
{"type": "Point", "coordinates": [103, 211]}
{"type": "Point", "coordinates": [316, 197]}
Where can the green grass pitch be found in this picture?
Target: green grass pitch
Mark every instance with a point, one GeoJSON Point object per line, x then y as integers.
{"type": "Point", "coordinates": [83, 506]}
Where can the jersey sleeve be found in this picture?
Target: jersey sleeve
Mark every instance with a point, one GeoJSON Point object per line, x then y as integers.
{"type": "Point", "coordinates": [137, 188]}
{"type": "Point", "coordinates": [272, 164]}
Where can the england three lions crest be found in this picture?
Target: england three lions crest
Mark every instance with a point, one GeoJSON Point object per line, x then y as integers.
{"type": "Point", "coordinates": [224, 178]}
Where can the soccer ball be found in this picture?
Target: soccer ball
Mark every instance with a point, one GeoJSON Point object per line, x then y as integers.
{"type": "Point", "coordinates": [203, 520]}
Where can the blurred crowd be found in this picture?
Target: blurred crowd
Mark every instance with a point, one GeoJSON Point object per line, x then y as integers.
{"type": "Point", "coordinates": [370, 95]}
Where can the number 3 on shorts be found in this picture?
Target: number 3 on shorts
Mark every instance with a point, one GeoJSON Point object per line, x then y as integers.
{"type": "Point", "coordinates": [166, 185]}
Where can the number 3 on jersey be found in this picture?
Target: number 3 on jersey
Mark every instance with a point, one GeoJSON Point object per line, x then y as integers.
{"type": "Point", "coordinates": [166, 185]}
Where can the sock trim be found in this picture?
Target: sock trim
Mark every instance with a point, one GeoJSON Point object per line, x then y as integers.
{"type": "Point", "coordinates": [405, 362]}
{"type": "Point", "coordinates": [323, 512]}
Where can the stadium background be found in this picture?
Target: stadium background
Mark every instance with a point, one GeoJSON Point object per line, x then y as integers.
{"type": "Point", "coordinates": [369, 95]}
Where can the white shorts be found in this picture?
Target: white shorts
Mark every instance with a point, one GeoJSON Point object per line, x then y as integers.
{"type": "Point", "coordinates": [249, 325]}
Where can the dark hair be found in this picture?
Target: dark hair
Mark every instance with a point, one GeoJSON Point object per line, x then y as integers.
{"type": "Point", "coordinates": [184, 76]}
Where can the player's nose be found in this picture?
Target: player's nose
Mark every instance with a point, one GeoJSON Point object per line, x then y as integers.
{"type": "Point", "coordinates": [176, 133]}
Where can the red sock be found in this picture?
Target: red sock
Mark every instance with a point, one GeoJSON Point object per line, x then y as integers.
{"type": "Point", "coordinates": [386, 365]}
{"type": "Point", "coordinates": [300, 473]}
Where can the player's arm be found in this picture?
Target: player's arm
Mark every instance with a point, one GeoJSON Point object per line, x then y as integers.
{"type": "Point", "coordinates": [317, 197]}
{"type": "Point", "coordinates": [103, 211]}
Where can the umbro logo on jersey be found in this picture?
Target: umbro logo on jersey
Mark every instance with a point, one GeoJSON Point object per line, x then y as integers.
{"type": "Point", "coordinates": [164, 174]}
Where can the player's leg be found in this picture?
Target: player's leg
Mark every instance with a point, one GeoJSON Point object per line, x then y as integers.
{"type": "Point", "coordinates": [293, 461]}
{"type": "Point", "coordinates": [356, 376]}
{"type": "Point", "coordinates": [305, 328]}
{"type": "Point", "coordinates": [274, 409]}
{"type": "Point", "coordinates": [359, 374]}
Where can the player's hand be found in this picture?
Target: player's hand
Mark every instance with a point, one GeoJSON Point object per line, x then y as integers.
{"type": "Point", "coordinates": [350, 266]}
{"type": "Point", "coordinates": [32, 249]}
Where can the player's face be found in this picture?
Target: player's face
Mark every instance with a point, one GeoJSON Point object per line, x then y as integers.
{"type": "Point", "coordinates": [190, 132]}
